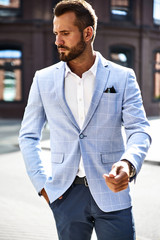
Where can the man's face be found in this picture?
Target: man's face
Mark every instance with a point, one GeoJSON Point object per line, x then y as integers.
{"type": "Point", "coordinates": [69, 39]}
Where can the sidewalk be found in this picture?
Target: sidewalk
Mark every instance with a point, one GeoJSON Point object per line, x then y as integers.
{"type": "Point", "coordinates": [9, 130]}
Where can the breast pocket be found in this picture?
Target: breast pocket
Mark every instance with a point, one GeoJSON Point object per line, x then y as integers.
{"type": "Point", "coordinates": [110, 103]}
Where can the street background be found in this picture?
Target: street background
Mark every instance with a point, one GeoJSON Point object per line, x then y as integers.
{"type": "Point", "coordinates": [25, 216]}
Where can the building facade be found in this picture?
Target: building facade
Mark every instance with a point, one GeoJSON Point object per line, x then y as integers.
{"type": "Point", "coordinates": [128, 33]}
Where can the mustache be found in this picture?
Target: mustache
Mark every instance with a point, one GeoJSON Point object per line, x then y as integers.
{"type": "Point", "coordinates": [62, 46]}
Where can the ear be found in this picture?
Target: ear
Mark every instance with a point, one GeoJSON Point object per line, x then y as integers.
{"type": "Point", "coordinates": [88, 33]}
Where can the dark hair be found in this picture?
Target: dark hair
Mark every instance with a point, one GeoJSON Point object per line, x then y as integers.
{"type": "Point", "coordinates": [84, 12]}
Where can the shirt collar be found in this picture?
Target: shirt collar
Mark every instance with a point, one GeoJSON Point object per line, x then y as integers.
{"type": "Point", "coordinates": [93, 69]}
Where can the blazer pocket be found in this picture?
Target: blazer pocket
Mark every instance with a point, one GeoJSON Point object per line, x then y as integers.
{"type": "Point", "coordinates": [57, 158]}
{"type": "Point", "coordinates": [111, 157]}
{"type": "Point", "coordinates": [110, 96]}
{"type": "Point", "coordinates": [110, 103]}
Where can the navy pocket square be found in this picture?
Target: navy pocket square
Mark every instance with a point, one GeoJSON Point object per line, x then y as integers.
{"type": "Point", "coordinates": [110, 90]}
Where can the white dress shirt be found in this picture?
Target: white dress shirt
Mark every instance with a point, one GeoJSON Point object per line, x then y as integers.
{"type": "Point", "coordinates": [78, 94]}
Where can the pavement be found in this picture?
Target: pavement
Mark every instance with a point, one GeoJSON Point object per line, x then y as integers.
{"type": "Point", "coordinates": [25, 216]}
{"type": "Point", "coordinates": [9, 130]}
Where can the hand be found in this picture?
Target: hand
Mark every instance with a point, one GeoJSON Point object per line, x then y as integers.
{"type": "Point", "coordinates": [44, 194]}
{"type": "Point", "coordinates": [118, 178]}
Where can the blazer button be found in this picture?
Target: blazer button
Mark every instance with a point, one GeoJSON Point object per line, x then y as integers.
{"type": "Point", "coordinates": [81, 136]}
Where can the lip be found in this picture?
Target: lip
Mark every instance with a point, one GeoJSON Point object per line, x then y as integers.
{"type": "Point", "coordinates": [61, 49]}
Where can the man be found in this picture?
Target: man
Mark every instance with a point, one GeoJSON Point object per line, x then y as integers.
{"type": "Point", "coordinates": [85, 99]}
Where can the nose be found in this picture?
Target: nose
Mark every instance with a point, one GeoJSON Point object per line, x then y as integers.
{"type": "Point", "coordinates": [59, 40]}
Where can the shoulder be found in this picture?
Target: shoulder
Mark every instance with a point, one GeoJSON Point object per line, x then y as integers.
{"type": "Point", "coordinates": [48, 71]}
{"type": "Point", "coordinates": [113, 66]}
{"type": "Point", "coordinates": [119, 68]}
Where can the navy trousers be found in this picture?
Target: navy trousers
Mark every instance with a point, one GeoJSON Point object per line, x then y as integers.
{"type": "Point", "coordinates": [76, 214]}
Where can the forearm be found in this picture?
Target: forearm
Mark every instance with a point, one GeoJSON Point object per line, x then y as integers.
{"type": "Point", "coordinates": [31, 152]}
{"type": "Point", "coordinates": [136, 149]}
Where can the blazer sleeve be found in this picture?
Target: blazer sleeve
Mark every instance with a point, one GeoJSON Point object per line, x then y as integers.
{"type": "Point", "coordinates": [30, 135]}
{"type": "Point", "coordinates": [135, 123]}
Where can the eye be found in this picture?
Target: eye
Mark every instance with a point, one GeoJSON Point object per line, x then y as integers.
{"type": "Point", "coordinates": [65, 33]}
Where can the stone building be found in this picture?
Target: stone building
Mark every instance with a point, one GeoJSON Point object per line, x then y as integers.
{"type": "Point", "coordinates": [128, 33]}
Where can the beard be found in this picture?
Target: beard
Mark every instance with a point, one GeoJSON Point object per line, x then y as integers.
{"type": "Point", "coordinates": [74, 52]}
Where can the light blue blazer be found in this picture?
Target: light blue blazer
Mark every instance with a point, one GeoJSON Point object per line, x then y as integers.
{"type": "Point", "coordinates": [100, 141]}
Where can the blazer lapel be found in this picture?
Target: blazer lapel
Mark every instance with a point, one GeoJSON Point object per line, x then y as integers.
{"type": "Point", "coordinates": [100, 83]}
{"type": "Point", "coordinates": [59, 75]}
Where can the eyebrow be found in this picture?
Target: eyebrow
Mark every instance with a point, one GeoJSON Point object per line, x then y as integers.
{"type": "Point", "coordinates": [62, 31]}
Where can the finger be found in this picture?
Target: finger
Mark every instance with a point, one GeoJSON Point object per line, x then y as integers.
{"type": "Point", "coordinates": [113, 172]}
{"type": "Point", "coordinates": [119, 179]}
{"type": "Point", "coordinates": [114, 184]}
{"type": "Point", "coordinates": [105, 175]}
{"type": "Point", "coordinates": [108, 179]}
{"type": "Point", "coordinates": [118, 188]}
{"type": "Point", "coordinates": [122, 177]}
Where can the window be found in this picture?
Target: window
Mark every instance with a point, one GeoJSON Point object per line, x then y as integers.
{"type": "Point", "coordinates": [156, 12]}
{"type": "Point", "coordinates": [122, 56]}
{"type": "Point", "coordinates": [10, 8]}
{"type": "Point", "coordinates": [157, 75]}
{"type": "Point", "coordinates": [120, 10]}
{"type": "Point", "coordinates": [10, 75]}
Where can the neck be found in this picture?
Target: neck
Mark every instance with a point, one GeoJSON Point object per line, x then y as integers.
{"type": "Point", "coordinates": [83, 63]}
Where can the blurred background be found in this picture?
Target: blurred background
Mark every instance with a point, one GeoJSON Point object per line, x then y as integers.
{"type": "Point", "coordinates": [128, 33]}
